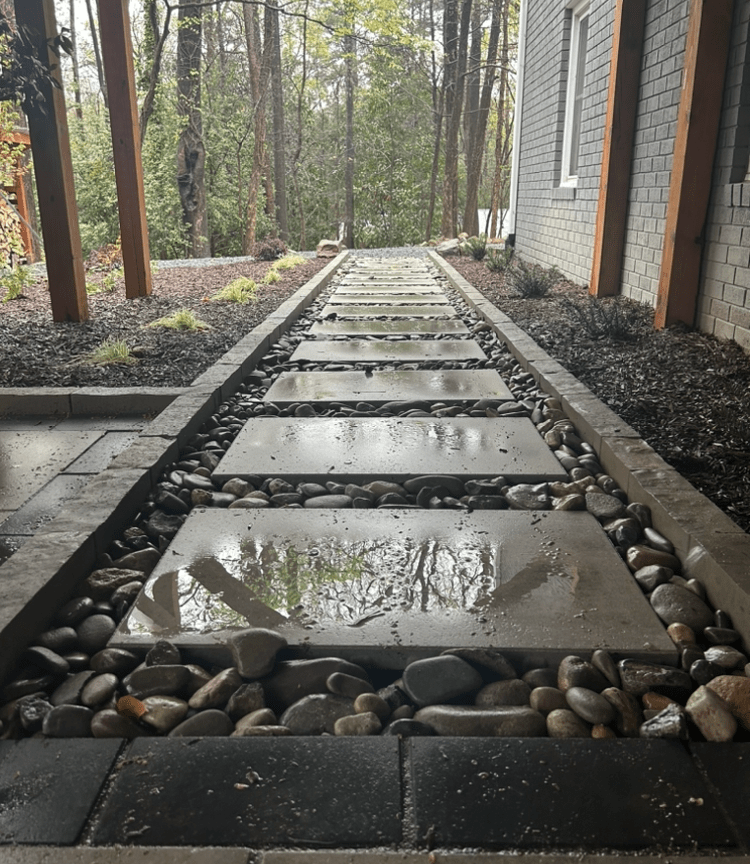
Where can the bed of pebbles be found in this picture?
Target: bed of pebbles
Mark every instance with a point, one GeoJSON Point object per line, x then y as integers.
{"type": "Point", "coordinates": [70, 684]}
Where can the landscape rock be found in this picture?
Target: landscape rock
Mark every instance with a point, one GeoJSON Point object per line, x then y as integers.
{"type": "Point", "coordinates": [574, 671]}
{"type": "Point", "coordinates": [163, 713]}
{"type": "Point", "coordinates": [293, 679]}
{"type": "Point", "coordinates": [711, 715]}
{"type": "Point", "coordinates": [564, 723]}
{"type": "Point", "coordinates": [639, 677]}
{"type": "Point", "coordinates": [669, 723]}
{"type": "Point", "coordinates": [511, 692]}
{"type": "Point", "coordinates": [472, 721]}
{"type": "Point", "coordinates": [68, 721]}
{"type": "Point", "coordinates": [435, 680]}
{"type": "Point", "coordinates": [366, 723]}
{"type": "Point", "coordinates": [254, 651]}
{"type": "Point", "coordinates": [245, 700]}
{"type": "Point", "coordinates": [210, 723]}
{"type": "Point", "coordinates": [156, 681]}
{"type": "Point", "coordinates": [216, 692]}
{"type": "Point", "coordinates": [674, 604]}
{"type": "Point", "coordinates": [735, 691]}
{"type": "Point", "coordinates": [316, 714]}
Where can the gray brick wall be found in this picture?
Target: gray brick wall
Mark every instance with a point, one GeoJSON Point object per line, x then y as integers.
{"type": "Point", "coordinates": [556, 226]}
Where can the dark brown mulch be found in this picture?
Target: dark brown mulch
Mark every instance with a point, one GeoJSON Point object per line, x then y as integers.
{"type": "Point", "coordinates": [687, 394]}
{"type": "Point", "coordinates": [35, 352]}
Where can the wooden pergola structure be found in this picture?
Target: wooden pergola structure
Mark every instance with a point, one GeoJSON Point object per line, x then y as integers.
{"type": "Point", "coordinates": [50, 145]}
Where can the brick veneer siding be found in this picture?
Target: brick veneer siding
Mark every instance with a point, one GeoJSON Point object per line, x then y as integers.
{"type": "Point", "coordinates": [556, 226]}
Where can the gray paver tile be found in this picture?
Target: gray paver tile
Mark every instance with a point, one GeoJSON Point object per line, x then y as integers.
{"type": "Point", "coordinates": [391, 299]}
{"type": "Point", "coordinates": [390, 584]}
{"type": "Point", "coordinates": [125, 855]}
{"type": "Point", "coordinates": [120, 423]}
{"type": "Point", "coordinates": [384, 328]}
{"type": "Point", "coordinates": [393, 311]}
{"type": "Point", "coordinates": [320, 449]}
{"type": "Point", "coordinates": [31, 458]}
{"type": "Point", "coordinates": [384, 386]}
{"type": "Point", "coordinates": [367, 351]}
{"type": "Point", "coordinates": [101, 453]}
{"type": "Point", "coordinates": [45, 505]}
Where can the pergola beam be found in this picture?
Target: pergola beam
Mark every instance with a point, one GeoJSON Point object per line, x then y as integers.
{"type": "Point", "coordinates": [706, 51]}
{"type": "Point", "coordinates": [50, 145]}
{"type": "Point", "coordinates": [117, 52]}
{"type": "Point", "coordinates": [614, 182]}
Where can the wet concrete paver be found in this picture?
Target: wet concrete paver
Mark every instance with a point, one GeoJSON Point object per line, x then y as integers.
{"type": "Point", "coordinates": [364, 351]}
{"type": "Point", "coordinates": [391, 299]}
{"type": "Point", "coordinates": [393, 448]}
{"type": "Point", "coordinates": [375, 311]}
{"type": "Point", "coordinates": [398, 326]}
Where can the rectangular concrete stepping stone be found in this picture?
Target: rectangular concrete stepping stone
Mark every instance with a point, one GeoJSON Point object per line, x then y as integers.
{"type": "Point", "coordinates": [380, 586]}
{"type": "Point", "coordinates": [562, 794]}
{"type": "Point", "coordinates": [252, 792]}
{"type": "Point", "coordinates": [434, 385]}
{"type": "Point", "coordinates": [390, 287]}
{"type": "Point", "coordinates": [400, 326]}
{"type": "Point", "coordinates": [321, 448]}
{"type": "Point", "coordinates": [367, 351]}
{"type": "Point", "coordinates": [393, 311]}
{"type": "Point", "coordinates": [391, 299]}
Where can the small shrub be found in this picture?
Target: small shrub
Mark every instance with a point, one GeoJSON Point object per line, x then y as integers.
{"type": "Point", "coordinates": [111, 351]}
{"type": "Point", "coordinates": [288, 262]}
{"type": "Point", "coordinates": [531, 280]}
{"type": "Point", "coordinates": [242, 290]}
{"type": "Point", "coordinates": [269, 249]}
{"type": "Point", "coordinates": [498, 260]}
{"type": "Point", "coordinates": [614, 318]}
{"type": "Point", "coordinates": [272, 277]}
{"type": "Point", "coordinates": [107, 257]}
{"type": "Point", "coordinates": [476, 247]}
{"type": "Point", "coordinates": [14, 281]}
{"type": "Point", "coordinates": [183, 319]}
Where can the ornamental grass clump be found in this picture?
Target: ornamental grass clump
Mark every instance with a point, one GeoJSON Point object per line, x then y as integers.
{"type": "Point", "coordinates": [531, 280]}
{"type": "Point", "coordinates": [272, 277]}
{"type": "Point", "coordinates": [14, 281]}
{"type": "Point", "coordinates": [242, 290]}
{"type": "Point", "coordinates": [288, 262]}
{"type": "Point", "coordinates": [498, 260]}
{"type": "Point", "coordinates": [111, 351]}
{"type": "Point", "coordinates": [611, 318]}
{"type": "Point", "coordinates": [183, 319]}
{"type": "Point", "coordinates": [476, 247]}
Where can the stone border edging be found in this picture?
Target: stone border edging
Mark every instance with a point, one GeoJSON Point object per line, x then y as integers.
{"type": "Point", "coordinates": [713, 548]}
{"type": "Point", "coordinates": [109, 401]}
{"type": "Point", "coordinates": [41, 574]}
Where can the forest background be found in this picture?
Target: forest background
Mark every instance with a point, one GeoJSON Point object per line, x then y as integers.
{"type": "Point", "coordinates": [382, 122]}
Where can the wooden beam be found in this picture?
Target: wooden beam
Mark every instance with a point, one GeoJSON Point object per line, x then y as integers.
{"type": "Point", "coordinates": [706, 51]}
{"type": "Point", "coordinates": [614, 182]}
{"type": "Point", "coordinates": [50, 145]}
{"type": "Point", "coordinates": [117, 51]}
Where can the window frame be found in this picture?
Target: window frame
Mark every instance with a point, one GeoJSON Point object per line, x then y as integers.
{"type": "Point", "coordinates": [580, 11]}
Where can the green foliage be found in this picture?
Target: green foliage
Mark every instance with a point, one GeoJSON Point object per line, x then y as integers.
{"type": "Point", "coordinates": [288, 262]}
{"type": "Point", "coordinates": [183, 319]}
{"type": "Point", "coordinates": [242, 290]}
{"type": "Point", "coordinates": [531, 280]}
{"type": "Point", "coordinates": [476, 247]}
{"type": "Point", "coordinates": [615, 318]}
{"type": "Point", "coordinates": [272, 277]}
{"type": "Point", "coordinates": [111, 351]}
{"type": "Point", "coordinates": [13, 282]}
{"type": "Point", "coordinates": [498, 260]}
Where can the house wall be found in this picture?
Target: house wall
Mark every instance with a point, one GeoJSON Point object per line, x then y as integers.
{"type": "Point", "coordinates": [555, 226]}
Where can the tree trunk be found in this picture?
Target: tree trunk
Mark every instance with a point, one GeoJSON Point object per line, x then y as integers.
{"type": "Point", "coordinates": [298, 149]}
{"type": "Point", "coordinates": [154, 39]}
{"type": "Point", "coordinates": [501, 137]}
{"type": "Point", "coordinates": [97, 54]}
{"type": "Point", "coordinates": [279, 136]}
{"type": "Point", "coordinates": [473, 77]}
{"type": "Point", "coordinates": [191, 154]}
{"type": "Point", "coordinates": [350, 49]}
{"type": "Point", "coordinates": [475, 150]}
{"type": "Point", "coordinates": [456, 45]}
{"type": "Point", "coordinates": [74, 57]}
{"type": "Point", "coordinates": [438, 104]}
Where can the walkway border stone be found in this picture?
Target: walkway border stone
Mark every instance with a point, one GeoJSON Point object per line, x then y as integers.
{"type": "Point", "coordinates": [714, 549]}
{"type": "Point", "coordinates": [43, 572]}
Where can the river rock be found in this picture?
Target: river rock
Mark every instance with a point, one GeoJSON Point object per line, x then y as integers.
{"type": "Point", "coordinates": [261, 732]}
{"type": "Point", "coordinates": [725, 657]}
{"type": "Point", "coordinates": [99, 689]}
{"type": "Point", "coordinates": [163, 713]}
{"type": "Point", "coordinates": [546, 699]}
{"type": "Point", "coordinates": [216, 692]}
{"type": "Point", "coordinates": [31, 712]}
{"type": "Point", "coordinates": [366, 723]}
{"type": "Point", "coordinates": [211, 723]}
{"type": "Point", "coordinates": [525, 496]}
{"type": "Point", "coordinates": [341, 684]}
{"type": "Point", "coordinates": [669, 723]}
{"type": "Point", "coordinates": [639, 556]}
{"type": "Point", "coordinates": [254, 651]}
{"type": "Point", "coordinates": [490, 662]}
{"type": "Point", "coordinates": [94, 632]}
{"type": "Point", "coordinates": [627, 710]}
{"type": "Point", "coordinates": [604, 507]}
{"type": "Point", "coordinates": [156, 681]}
{"type": "Point", "coordinates": [681, 634]}
{"type": "Point", "coordinates": [573, 671]}
{"type": "Point", "coordinates": [674, 604]}
{"type": "Point", "coordinates": [164, 525]}
{"type": "Point", "coordinates": [108, 723]}
{"type": "Point", "coordinates": [711, 715]}
{"type": "Point", "coordinates": [603, 661]}
{"type": "Point", "coordinates": [702, 671]}
{"type": "Point", "coordinates": [512, 692]}
{"type": "Point", "coordinates": [143, 560]}
{"type": "Point", "coordinates": [471, 720]}
{"type": "Point", "coordinates": [293, 679]}
{"type": "Point", "coordinates": [68, 721]}
{"type": "Point", "coordinates": [638, 677]}
{"type": "Point", "coordinates": [198, 677]}
{"type": "Point", "coordinates": [652, 576]}
{"type": "Point", "coordinates": [261, 717]}
{"type": "Point", "coordinates": [69, 692]}
{"type": "Point", "coordinates": [591, 706]}
{"type": "Point", "coordinates": [74, 611]}
{"type": "Point", "coordinates": [564, 723]}
{"type": "Point", "coordinates": [435, 680]}
{"type": "Point", "coordinates": [454, 485]}
{"type": "Point", "coordinates": [46, 660]}
{"type": "Point", "coordinates": [735, 691]}
{"type": "Point", "coordinates": [101, 583]}
{"type": "Point", "coordinates": [118, 661]}
{"type": "Point", "coordinates": [721, 635]}
{"type": "Point", "coordinates": [408, 728]}
{"type": "Point", "coordinates": [316, 713]}
{"type": "Point", "coordinates": [60, 639]}
{"type": "Point", "coordinates": [245, 700]}
{"type": "Point", "coordinates": [164, 653]}
{"type": "Point", "coordinates": [542, 677]}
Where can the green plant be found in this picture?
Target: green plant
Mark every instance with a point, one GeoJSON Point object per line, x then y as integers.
{"type": "Point", "coordinates": [183, 319]}
{"type": "Point", "coordinates": [615, 318]}
{"type": "Point", "coordinates": [476, 247]}
{"type": "Point", "coordinates": [272, 277]}
{"type": "Point", "coordinates": [242, 290]}
{"type": "Point", "coordinates": [288, 262]}
{"type": "Point", "coordinates": [14, 281]}
{"type": "Point", "coordinates": [498, 260]}
{"type": "Point", "coordinates": [531, 280]}
{"type": "Point", "coordinates": [111, 351]}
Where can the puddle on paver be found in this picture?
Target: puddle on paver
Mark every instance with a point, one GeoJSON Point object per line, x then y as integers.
{"type": "Point", "coordinates": [389, 447]}
{"type": "Point", "coordinates": [387, 385]}
{"type": "Point", "coordinates": [364, 351]}
{"type": "Point", "coordinates": [388, 585]}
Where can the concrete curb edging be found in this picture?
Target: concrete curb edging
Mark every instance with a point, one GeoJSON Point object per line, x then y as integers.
{"type": "Point", "coordinates": [39, 577]}
{"type": "Point", "coordinates": [713, 549]}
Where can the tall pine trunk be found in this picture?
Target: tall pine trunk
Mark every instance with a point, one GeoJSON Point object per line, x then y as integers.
{"type": "Point", "coordinates": [97, 54]}
{"type": "Point", "coordinates": [502, 137]}
{"type": "Point", "coordinates": [279, 134]}
{"type": "Point", "coordinates": [350, 61]}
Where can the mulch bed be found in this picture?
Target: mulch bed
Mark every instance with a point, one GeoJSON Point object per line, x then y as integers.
{"type": "Point", "coordinates": [35, 352]}
{"type": "Point", "coordinates": [686, 393]}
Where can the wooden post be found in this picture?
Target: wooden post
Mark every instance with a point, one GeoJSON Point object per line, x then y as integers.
{"type": "Point", "coordinates": [614, 182]}
{"type": "Point", "coordinates": [117, 51]}
{"type": "Point", "coordinates": [50, 146]}
{"type": "Point", "coordinates": [703, 74]}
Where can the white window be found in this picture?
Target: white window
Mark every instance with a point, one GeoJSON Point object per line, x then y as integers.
{"type": "Point", "coordinates": [574, 95]}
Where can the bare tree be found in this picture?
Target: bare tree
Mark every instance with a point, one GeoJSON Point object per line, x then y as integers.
{"type": "Point", "coordinates": [97, 54]}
